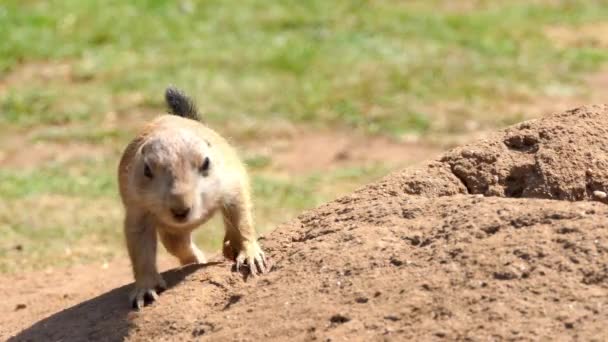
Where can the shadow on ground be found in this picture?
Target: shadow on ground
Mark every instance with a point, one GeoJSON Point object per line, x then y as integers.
{"type": "Point", "coordinates": [103, 318]}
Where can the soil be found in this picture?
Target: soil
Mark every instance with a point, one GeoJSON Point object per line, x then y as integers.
{"type": "Point", "coordinates": [38, 152]}
{"type": "Point", "coordinates": [320, 150]}
{"type": "Point", "coordinates": [502, 239]}
{"type": "Point", "coordinates": [591, 34]}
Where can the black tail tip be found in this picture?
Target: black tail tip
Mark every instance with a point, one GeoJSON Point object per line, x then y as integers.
{"type": "Point", "coordinates": [180, 104]}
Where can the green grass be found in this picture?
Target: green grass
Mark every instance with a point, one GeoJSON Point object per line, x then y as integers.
{"type": "Point", "coordinates": [391, 68]}
{"type": "Point", "coordinates": [88, 183]}
{"type": "Point", "coordinates": [36, 105]}
{"type": "Point", "coordinates": [370, 65]}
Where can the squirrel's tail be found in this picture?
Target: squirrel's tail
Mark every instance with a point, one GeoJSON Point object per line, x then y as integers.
{"type": "Point", "coordinates": [181, 105]}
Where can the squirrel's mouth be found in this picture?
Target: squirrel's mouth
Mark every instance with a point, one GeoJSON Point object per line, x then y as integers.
{"type": "Point", "coordinates": [180, 214]}
{"type": "Point", "coordinates": [180, 217]}
{"type": "Point", "coordinates": [181, 220]}
{"type": "Point", "coordinates": [177, 221]}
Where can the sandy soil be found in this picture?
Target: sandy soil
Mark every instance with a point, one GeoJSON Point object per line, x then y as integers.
{"type": "Point", "coordinates": [502, 239]}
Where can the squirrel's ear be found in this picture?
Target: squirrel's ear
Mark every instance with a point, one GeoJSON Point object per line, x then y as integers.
{"type": "Point", "coordinates": [145, 148]}
{"type": "Point", "coordinates": [148, 147]}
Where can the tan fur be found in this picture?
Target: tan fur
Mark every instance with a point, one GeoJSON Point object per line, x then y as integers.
{"type": "Point", "coordinates": [174, 147]}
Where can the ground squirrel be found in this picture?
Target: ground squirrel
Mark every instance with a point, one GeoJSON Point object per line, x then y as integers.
{"type": "Point", "coordinates": [173, 177]}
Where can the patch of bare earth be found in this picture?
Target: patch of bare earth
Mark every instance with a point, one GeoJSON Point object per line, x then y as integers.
{"type": "Point", "coordinates": [38, 153]}
{"type": "Point", "coordinates": [305, 151]}
{"type": "Point", "coordinates": [37, 72]}
{"type": "Point", "coordinates": [32, 296]}
{"type": "Point", "coordinates": [592, 34]}
{"type": "Point", "coordinates": [502, 239]}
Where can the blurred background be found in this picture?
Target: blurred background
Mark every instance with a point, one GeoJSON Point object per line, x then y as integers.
{"type": "Point", "coordinates": [319, 96]}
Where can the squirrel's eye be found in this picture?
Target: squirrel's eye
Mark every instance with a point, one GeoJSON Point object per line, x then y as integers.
{"type": "Point", "coordinates": [148, 171]}
{"type": "Point", "coordinates": [205, 166]}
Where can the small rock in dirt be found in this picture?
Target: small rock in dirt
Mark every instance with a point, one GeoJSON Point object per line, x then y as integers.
{"type": "Point", "coordinates": [566, 230]}
{"type": "Point", "coordinates": [377, 294]}
{"type": "Point", "coordinates": [599, 194]}
{"type": "Point", "coordinates": [339, 319]}
{"type": "Point", "coordinates": [491, 229]}
{"type": "Point", "coordinates": [414, 240]}
{"type": "Point", "coordinates": [342, 155]}
{"type": "Point", "coordinates": [18, 248]}
{"type": "Point", "coordinates": [504, 275]}
{"type": "Point", "coordinates": [569, 325]}
{"type": "Point", "coordinates": [203, 329]}
{"type": "Point", "coordinates": [396, 262]}
{"type": "Point", "coordinates": [232, 300]}
{"type": "Point", "coordinates": [198, 332]}
{"type": "Point", "coordinates": [361, 300]}
{"type": "Point", "coordinates": [20, 307]}
{"type": "Point", "coordinates": [387, 331]}
{"type": "Point", "coordinates": [392, 318]}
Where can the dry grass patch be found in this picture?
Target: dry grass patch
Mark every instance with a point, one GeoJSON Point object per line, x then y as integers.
{"type": "Point", "coordinates": [586, 35]}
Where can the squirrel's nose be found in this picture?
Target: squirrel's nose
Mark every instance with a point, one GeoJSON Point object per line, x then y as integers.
{"type": "Point", "coordinates": [180, 213]}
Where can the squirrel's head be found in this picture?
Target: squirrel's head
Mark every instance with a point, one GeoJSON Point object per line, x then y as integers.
{"type": "Point", "coordinates": [176, 177]}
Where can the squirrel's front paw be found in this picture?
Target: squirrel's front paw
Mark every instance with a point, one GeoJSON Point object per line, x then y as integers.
{"type": "Point", "coordinates": [253, 255]}
{"type": "Point", "coordinates": [147, 291]}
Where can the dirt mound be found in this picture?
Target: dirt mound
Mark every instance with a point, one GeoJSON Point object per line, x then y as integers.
{"type": "Point", "coordinates": [564, 157]}
{"type": "Point", "coordinates": [483, 243]}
